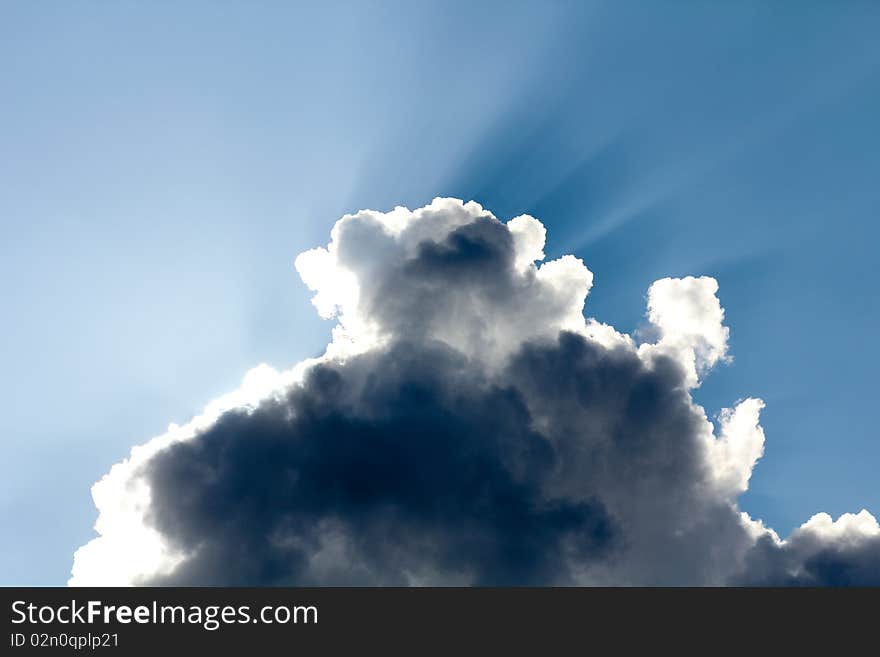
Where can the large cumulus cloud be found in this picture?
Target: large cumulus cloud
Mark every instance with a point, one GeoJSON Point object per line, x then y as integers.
{"type": "Point", "coordinates": [466, 425]}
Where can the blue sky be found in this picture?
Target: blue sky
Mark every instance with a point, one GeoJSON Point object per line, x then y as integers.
{"type": "Point", "coordinates": [161, 166]}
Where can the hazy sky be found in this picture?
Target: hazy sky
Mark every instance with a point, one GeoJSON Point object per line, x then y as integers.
{"type": "Point", "coordinates": [161, 164]}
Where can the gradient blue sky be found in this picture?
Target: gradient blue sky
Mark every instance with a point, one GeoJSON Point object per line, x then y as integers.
{"type": "Point", "coordinates": [161, 164]}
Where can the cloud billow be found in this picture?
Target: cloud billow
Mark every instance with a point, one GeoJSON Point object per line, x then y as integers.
{"type": "Point", "coordinates": [466, 426]}
{"type": "Point", "coordinates": [400, 466]}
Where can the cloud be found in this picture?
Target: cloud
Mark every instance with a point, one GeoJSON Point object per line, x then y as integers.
{"type": "Point", "coordinates": [466, 425]}
{"type": "Point", "coordinates": [404, 465]}
{"type": "Point", "coordinates": [688, 318]}
{"type": "Point", "coordinates": [821, 552]}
